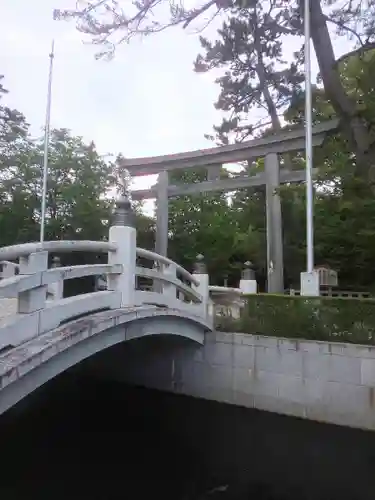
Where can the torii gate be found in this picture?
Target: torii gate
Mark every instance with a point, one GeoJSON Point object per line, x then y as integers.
{"type": "Point", "coordinates": [212, 159]}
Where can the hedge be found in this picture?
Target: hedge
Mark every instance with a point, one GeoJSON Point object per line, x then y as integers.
{"type": "Point", "coordinates": [315, 318]}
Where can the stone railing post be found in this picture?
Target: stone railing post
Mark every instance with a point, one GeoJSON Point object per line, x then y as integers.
{"type": "Point", "coordinates": [248, 284]}
{"type": "Point", "coordinates": [124, 235]}
{"type": "Point", "coordinates": [56, 289]}
{"type": "Point", "coordinates": [8, 269]}
{"type": "Point", "coordinates": [169, 290]}
{"type": "Point", "coordinates": [33, 300]}
{"type": "Point", "coordinates": [157, 286]}
{"type": "Point", "coordinates": [200, 272]}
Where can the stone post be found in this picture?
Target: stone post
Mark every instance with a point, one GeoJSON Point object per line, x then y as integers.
{"type": "Point", "coordinates": [56, 289]}
{"type": "Point", "coordinates": [161, 237]}
{"type": "Point", "coordinates": [123, 234]}
{"type": "Point", "coordinates": [157, 286]}
{"type": "Point", "coordinates": [8, 269]}
{"type": "Point", "coordinates": [248, 284]}
{"type": "Point", "coordinates": [200, 272]}
{"type": "Point", "coordinates": [275, 263]}
{"type": "Point", "coordinates": [34, 300]}
{"type": "Point", "coordinates": [310, 284]}
{"type": "Point", "coordinates": [168, 289]}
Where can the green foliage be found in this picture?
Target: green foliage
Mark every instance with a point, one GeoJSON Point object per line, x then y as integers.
{"type": "Point", "coordinates": [323, 318]}
{"type": "Point", "coordinates": [344, 220]}
{"type": "Point", "coordinates": [256, 75]}
{"type": "Point", "coordinates": [79, 186]}
{"type": "Point", "coordinates": [358, 76]}
{"type": "Point", "coordinates": [78, 180]}
{"type": "Point", "coordinates": [204, 223]}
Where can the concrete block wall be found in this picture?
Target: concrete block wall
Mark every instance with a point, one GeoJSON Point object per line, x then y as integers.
{"type": "Point", "coordinates": [321, 381]}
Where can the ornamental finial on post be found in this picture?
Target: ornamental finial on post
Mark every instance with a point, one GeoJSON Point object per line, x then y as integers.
{"type": "Point", "coordinates": [124, 215]}
{"type": "Point", "coordinates": [56, 261]}
{"type": "Point", "coordinates": [199, 265]}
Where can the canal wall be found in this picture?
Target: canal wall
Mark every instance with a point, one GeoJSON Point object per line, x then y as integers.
{"type": "Point", "coordinates": [321, 381]}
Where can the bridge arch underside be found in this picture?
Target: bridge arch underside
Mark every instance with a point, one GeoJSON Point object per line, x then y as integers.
{"type": "Point", "coordinates": [86, 341]}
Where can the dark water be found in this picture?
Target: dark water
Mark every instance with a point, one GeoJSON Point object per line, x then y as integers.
{"type": "Point", "coordinates": [80, 439]}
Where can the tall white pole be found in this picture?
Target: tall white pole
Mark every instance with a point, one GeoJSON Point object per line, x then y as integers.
{"type": "Point", "coordinates": [46, 143]}
{"type": "Point", "coordinates": [309, 150]}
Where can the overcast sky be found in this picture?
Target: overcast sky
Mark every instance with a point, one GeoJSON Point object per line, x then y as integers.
{"type": "Point", "coordinates": [147, 101]}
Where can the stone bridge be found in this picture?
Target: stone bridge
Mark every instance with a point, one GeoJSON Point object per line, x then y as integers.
{"type": "Point", "coordinates": [43, 333]}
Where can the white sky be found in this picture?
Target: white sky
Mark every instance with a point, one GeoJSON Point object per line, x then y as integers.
{"type": "Point", "coordinates": [147, 101]}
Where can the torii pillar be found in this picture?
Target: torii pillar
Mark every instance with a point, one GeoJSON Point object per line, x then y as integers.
{"type": "Point", "coordinates": [162, 214]}
{"type": "Point", "coordinates": [275, 260]}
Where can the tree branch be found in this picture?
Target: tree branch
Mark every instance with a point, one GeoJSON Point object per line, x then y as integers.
{"type": "Point", "coordinates": [344, 27]}
{"type": "Point", "coordinates": [197, 12]}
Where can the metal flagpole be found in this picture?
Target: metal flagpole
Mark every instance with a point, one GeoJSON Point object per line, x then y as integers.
{"type": "Point", "coordinates": [46, 143]}
{"type": "Point", "coordinates": [309, 150]}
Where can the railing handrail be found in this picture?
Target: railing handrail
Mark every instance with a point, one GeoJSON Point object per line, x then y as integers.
{"type": "Point", "coordinates": [225, 289]}
{"type": "Point", "coordinates": [9, 287]}
{"type": "Point", "coordinates": [9, 263]}
{"type": "Point", "coordinates": [148, 254]}
{"type": "Point", "coordinates": [12, 252]}
{"type": "Point", "coordinates": [62, 246]}
{"type": "Point", "coordinates": [144, 272]}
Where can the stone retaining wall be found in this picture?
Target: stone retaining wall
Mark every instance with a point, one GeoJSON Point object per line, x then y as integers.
{"type": "Point", "coordinates": [322, 381]}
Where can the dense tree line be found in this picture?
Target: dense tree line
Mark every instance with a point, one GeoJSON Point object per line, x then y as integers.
{"type": "Point", "coordinates": [80, 187]}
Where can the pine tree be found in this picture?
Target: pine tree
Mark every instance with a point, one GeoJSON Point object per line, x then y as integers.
{"type": "Point", "coordinates": [256, 75]}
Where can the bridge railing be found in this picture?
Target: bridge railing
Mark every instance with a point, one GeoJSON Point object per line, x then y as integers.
{"type": "Point", "coordinates": [27, 277]}
{"type": "Point", "coordinates": [172, 285]}
{"type": "Point", "coordinates": [34, 314]}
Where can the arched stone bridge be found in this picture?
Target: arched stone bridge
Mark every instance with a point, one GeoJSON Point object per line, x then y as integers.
{"type": "Point", "coordinates": [43, 333]}
{"type": "Point", "coordinates": [28, 366]}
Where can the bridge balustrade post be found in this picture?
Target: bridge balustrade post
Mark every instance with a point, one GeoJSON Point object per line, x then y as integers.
{"type": "Point", "coordinates": [124, 235]}
{"type": "Point", "coordinates": [169, 290]}
{"type": "Point", "coordinates": [248, 284]}
{"type": "Point", "coordinates": [34, 300]}
{"type": "Point", "coordinates": [56, 289]}
{"type": "Point", "coordinates": [8, 269]}
{"type": "Point", "coordinates": [200, 272]}
{"type": "Point", "coordinates": [157, 286]}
